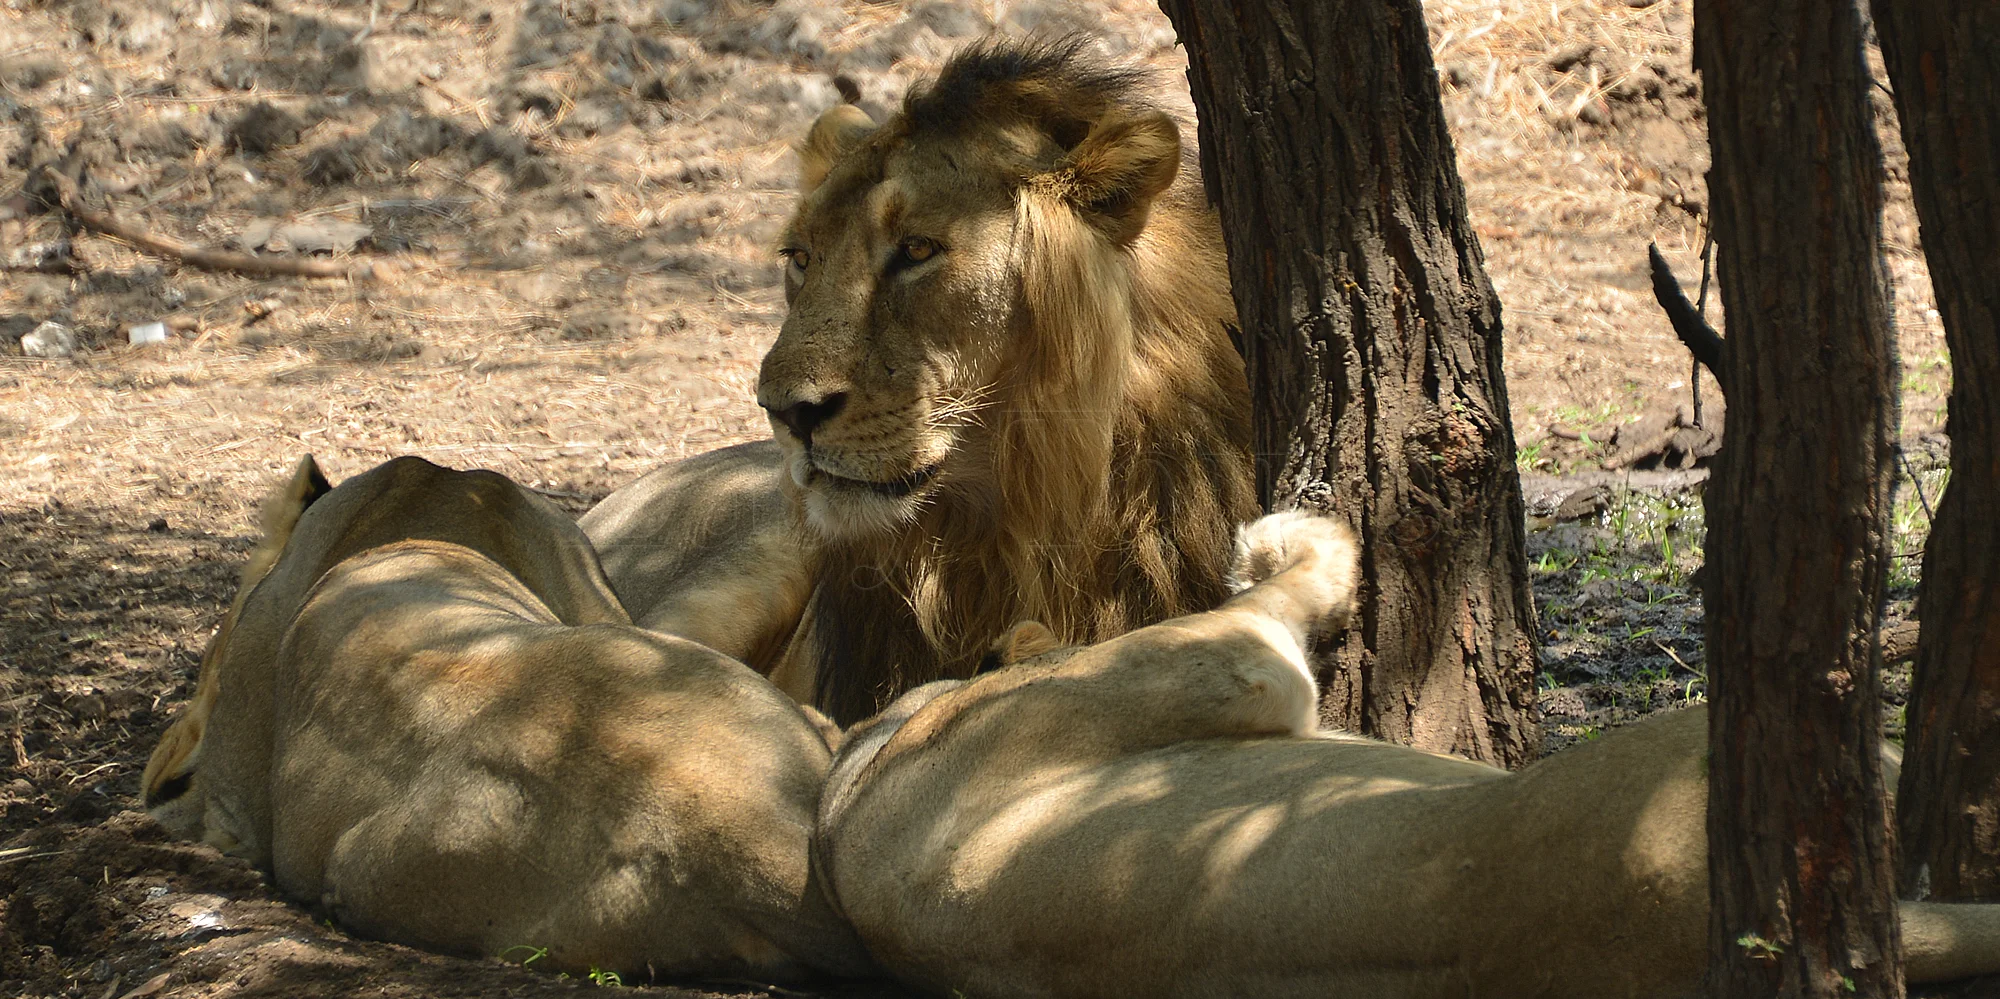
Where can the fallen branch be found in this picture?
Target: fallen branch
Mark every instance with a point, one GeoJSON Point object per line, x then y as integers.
{"type": "Point", "coordinates": [1899, 644]}
{"type": "Point", "coordinates": [1695, 333]}
{"type": "Point", "coordinates": [194, 256]}
{"type": "Point", "coordinates": [1651, 447]}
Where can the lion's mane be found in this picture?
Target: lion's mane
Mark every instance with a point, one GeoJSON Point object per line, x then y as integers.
{"type": "Point", "coordinates": [1113, 463]}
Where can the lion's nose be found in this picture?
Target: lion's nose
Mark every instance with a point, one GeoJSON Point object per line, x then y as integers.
{"type": "Point", "coordinates": [806, 416]}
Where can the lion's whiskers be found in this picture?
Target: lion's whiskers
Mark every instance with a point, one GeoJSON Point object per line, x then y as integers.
{"type": "Point", "coordinates": [958, 413]}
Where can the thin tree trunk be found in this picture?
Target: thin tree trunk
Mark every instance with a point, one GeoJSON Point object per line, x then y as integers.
{"type": "Point", "coordinates": [1372, 338]}
{"type": "Point", "coordinates": [1944, 60]}
{"type": "Point", "coordinates": [1798, 830]}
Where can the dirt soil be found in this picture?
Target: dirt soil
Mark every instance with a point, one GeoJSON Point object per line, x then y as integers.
{"type": "Point", "coordinates": [570, 207]}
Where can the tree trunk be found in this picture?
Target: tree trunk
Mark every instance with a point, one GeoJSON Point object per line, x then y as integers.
{"type": "Point", "coordinates": [1799, 841]}
{"type": "Point", "coordinates": [1944, 59]}
{"type": "Point", "coordinates": [1373, 343]}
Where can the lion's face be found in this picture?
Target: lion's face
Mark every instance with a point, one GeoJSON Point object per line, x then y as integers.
{"type": "Point", "coordinates": [902, 299]}
{"type": "Point", "coordinates": [918, 271]}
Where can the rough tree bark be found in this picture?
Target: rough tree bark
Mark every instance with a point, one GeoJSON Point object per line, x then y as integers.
{"type": "Point", "coordinates": [1944, 61]}
{"type": "Point", "coordinates": [1373, 342]}
{"type": "Point", "coordinates": [1798, 829]}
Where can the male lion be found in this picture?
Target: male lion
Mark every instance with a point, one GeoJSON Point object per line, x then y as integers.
{"type": "Point", "coordinates": [1154, 816]}
{"type": "Point", "coordinates": [427, 711]}
{"type": "Point", "coordinates": [1005, 387]}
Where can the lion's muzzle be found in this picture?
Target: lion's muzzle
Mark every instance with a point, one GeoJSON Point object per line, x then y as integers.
{"type": "Point", "coordinates": [802, 415]}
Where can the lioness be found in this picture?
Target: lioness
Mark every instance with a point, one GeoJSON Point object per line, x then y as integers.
{"type": "Point", "coordinates": [1005, 387]}
{"type": "Point", "coordinates": [1154, 816]}
{"type": "Point", "coordinates": [428, 712]}
{"type": "Point", "coordinates": [708, 549]}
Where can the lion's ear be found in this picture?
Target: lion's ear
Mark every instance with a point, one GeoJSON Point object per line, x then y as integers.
{"type": "Point", "coordinates": [838, 130]}
{"type": "Point", "coordinates": [280, 514]}
{"type": "Point", "coordinates": [283, 507]}
{"type": "Point", "coordinates": [1025, 640]}
{"type": "Point", "coordinates": [1114, 174]}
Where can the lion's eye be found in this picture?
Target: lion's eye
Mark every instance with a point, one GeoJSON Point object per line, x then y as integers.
{"type": "Point", "coordinates": [800, 259]}
{"type": "Point", "coordinates": [915, 250]}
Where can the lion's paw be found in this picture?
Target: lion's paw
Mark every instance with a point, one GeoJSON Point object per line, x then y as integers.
{"type": "Point", "coordinates": [1299, 568]}
{"type": "Point", "coordinates": [1292, 539]}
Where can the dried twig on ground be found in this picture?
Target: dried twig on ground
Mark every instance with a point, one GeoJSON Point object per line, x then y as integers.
{"type": "Point", "coordinates": [194, 256]}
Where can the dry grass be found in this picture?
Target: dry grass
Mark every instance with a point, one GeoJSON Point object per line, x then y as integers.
{"type": "Point", "coordinates": [1570, 173]}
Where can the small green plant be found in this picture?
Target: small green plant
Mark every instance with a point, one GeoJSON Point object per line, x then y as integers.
{"type": "Point", "coordinates": [1589, 733]}
{"type": "Point", "coordinates": [1556, 560]}
{"type": "Point", "coordinates": [605, 979]}
{"type": "Point", "coordinates": [534, 954]}
{"type": "Point", "coordinates": [1688, 695]}
{"type": "Point", "coordinates": [1932, 378]}
{"type": "Point", "coordinates": [1759, 948]}
{"type": "Point", "coordinates": [1652, 676]}
{"type": "Point", "coordinates": [1620, 522]}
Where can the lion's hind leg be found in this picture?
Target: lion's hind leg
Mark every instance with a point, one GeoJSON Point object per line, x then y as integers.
{"type": "Point", "coordinates": [1294, 576]}
{"type": "Point", "coordinates": [1239, 670]}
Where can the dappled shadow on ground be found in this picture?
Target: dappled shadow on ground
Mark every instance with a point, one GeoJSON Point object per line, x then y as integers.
{"type": "Point", "coordinates": [107, 611]}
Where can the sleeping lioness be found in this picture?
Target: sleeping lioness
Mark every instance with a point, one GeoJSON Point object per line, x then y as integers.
{"type": "Point", "coordinates": [1154, 816]}
{"type": "Point", "coordinates": [428, 713]}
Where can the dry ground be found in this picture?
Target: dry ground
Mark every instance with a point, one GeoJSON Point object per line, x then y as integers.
{"type": "Point", "coordinates": [576, 203]}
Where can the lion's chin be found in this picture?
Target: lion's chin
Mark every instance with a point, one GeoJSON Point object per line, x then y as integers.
{"type": "Point", "coordinates": [840, 508]}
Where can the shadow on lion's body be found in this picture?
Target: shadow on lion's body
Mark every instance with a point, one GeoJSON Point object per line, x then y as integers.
{"type": "Point", "coordinates": [1094, 824]}
{"type": "Point", "coordinates": [1044, 417]}
{"type": "Point", "coordinates": [709, 549]}
{"type": "Point", "coordinates": [432, 716]}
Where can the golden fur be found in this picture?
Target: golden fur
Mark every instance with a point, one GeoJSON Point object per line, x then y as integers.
{"type": "Point", "coordinates": [1005, 388]}
{"type": "Point", "coordinates": [708, 549]}
{"type": "Point", "coordinates": [1155, 816]}
{"type": "Point", "coordinates": [428, 712]}
{"type": "Point", "coordinates": [169, 780]}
